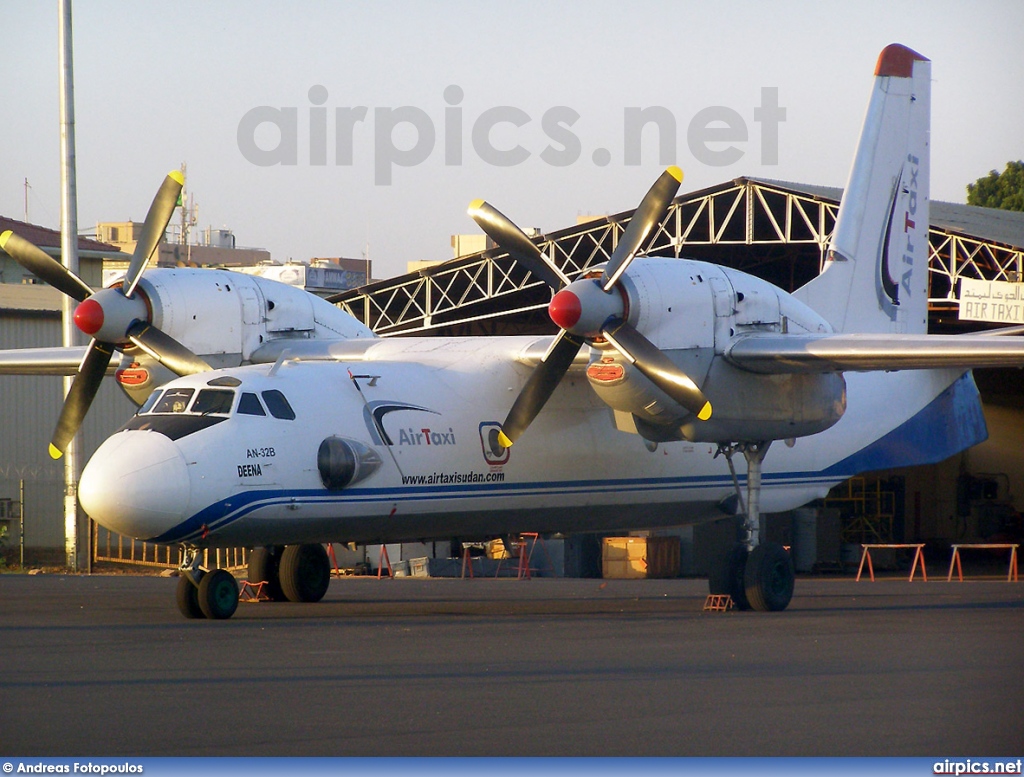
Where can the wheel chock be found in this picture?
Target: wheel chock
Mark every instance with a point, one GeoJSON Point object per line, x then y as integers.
{"type": "Point", "coordinates": [718, 603]}
{"type": "Point", "coordinates": [252, 592]}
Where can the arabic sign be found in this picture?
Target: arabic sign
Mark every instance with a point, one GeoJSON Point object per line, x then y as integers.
{"type": "Point", "coordinates": [996, 301]}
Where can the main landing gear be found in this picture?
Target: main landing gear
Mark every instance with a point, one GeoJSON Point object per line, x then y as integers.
{"type": "Point", "coordinates": [294, 573]}
{"type": "Point", "coordinates": [758, 576]}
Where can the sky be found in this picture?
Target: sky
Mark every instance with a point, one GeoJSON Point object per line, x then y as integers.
{"type": "Point", "coordinates": [321, 129]}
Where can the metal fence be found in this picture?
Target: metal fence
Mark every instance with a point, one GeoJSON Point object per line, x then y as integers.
{"type": "Point", "coordinates": [114, 548]}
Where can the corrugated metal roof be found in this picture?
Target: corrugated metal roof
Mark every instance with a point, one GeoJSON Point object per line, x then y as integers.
{"type": "Point", "coordinates": [991, 224]}
{"type": "Point", "coordinates": [29, 296]}
{"type": "Point", "coordinates": [50, 238]}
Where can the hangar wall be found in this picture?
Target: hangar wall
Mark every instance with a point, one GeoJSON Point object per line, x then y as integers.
{"type": "Point", "coordinates": [31, 405]}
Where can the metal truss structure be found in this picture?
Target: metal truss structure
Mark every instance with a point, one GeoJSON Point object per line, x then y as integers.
{"type": "Point", "coordinates": [776, 230]}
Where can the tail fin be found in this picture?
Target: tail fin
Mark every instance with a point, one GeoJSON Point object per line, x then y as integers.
{"type": "Point", "coordinates": [875, 277]}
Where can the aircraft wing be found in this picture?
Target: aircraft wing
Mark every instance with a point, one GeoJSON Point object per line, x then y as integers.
{"type": "Point", "coordinates": [384, 348]}
{"type": "Point", "coordinates": [57, 360]}
{"type": "Point", "coordinates": [793, 353]}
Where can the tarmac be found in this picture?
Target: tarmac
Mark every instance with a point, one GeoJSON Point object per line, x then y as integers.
{"type": "Point", "coordinates": [106, 666]}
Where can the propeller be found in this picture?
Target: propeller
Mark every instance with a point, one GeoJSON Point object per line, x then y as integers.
{"type": "Point", "coordinates": [512, 239]}
{"type": "Point", "coordinates": [590, 308]}
{"type": "Point", "coordinates": [114, 317]}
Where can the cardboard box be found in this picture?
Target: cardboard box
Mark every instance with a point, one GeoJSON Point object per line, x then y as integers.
{"type": "Point", "coordinates": [626, 558]}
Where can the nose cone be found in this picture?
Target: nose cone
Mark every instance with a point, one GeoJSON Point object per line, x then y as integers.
{"type": "Point", "coordinates": [583, 307]}
{"type": "Point", "coordinates": [89, 316]}
{"type": "Point", "coordinates": [136, 484]}
{"type": "Point", "coordinates": [564, 309]}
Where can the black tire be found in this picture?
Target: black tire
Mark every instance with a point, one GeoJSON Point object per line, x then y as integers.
{"type": "Point", "coordinates": [263, 568]}
{"type": "Point", "coordinates": [188, 596]}
{"type": "Point", "coordinates": [218, 595]}
{"type": "Point", "coordinates": [727, 576]}
{"type": "Point", "coordinates": [304, 572]}
{"type": "Point", "coordinates": [769, 578]}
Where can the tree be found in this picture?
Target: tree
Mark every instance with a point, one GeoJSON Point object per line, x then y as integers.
{"type": "Point", "coordinates": [999, 190]}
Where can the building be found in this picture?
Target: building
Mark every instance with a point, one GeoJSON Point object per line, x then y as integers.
{"type": "Point", "coordinates": [30, 316]}
{"type": "Point", "coordinates": [216, 248]}
{"type": "Point", "coordinates": [323, 277]}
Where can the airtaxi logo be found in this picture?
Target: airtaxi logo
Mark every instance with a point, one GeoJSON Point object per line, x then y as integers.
{"type": "Point", "coordinates": [426, 436]}
{"type": "Point", "coordinates": [899, 239]}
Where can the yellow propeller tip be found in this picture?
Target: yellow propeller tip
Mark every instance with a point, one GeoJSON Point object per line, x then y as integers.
{"type": "Point", "coordinates": [177, 176]}
{"type": "Point", "coordinates": [676, 173]}
{"type": "Point", "coordinates": [4, 237]}
{"type": "Point", "coordinates": [705, 412]}
{"type": "Point", "coordinates": [474, 205]}
{"type": "Point", "coordinates": [55, 452]}
{"type": "Point", "coordinates": [503, 440]}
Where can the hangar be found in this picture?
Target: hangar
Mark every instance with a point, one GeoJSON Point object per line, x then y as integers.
{"type": "Point", "coordinates": [779, 231]}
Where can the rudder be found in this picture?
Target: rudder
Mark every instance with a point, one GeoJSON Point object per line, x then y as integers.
{"type": "Point", "coordinates": [875, 277]}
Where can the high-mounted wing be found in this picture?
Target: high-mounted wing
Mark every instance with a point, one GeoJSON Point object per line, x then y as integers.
{"type": "Point", "coordinates": [57, 360]}
{"type": "Point", "coordinates": [781, 354]}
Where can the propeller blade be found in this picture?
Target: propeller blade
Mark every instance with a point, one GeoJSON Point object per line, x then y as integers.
{"type": "Point", "coordinates": [659, 369]}
{"type": "Point", "coordinates": [44, 266]}
{"type": "Point", "coordinates": [80, 397]}
{"type": "Point", "coordinates": [153, 229]}
{"type": "Point", "coordinates": [647, 216]}
{"type": "Point", "coordinates": [539, 388]}
{"type": "Point", "coordinates": [166, 350]}
{"type": "Point", "coordinates": [511, 238]}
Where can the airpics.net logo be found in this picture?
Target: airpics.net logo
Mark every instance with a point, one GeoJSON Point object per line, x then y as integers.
{"type": "Point", "coordinates": [970, 766]}
{"type": "Point", "coordinates": [407, 135]}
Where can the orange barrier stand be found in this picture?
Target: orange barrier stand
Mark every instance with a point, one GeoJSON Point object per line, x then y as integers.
{"type": "Point", "coordinates": [384, 559]}
{"type": "Point", "coordinates": [1011, 576]}
{"type": "Point", "coordinates": [467, 561]}
{"type": "Point", "coordinates": [918, 559]}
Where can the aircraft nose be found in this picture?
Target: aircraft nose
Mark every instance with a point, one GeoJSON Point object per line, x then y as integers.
{"type": "Point", "coordinates": [136, 484]}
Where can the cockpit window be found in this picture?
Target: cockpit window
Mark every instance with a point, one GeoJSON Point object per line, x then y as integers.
{"type": "Point", "coordinates": [278, 405]}
{"type": "Point", "coordinates": [249, 404]}
{"type": "Point", "coordinates": [174, 400]}
{"type": "Point", "coordinates": [150, 401]}
{"type": "Point", "coordinates": [214, 401]}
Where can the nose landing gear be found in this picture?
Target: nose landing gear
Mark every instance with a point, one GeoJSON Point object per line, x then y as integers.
{"type": "Point", "coordinates": [201, 594]}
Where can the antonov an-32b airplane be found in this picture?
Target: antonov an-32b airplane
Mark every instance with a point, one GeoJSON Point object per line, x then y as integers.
{"type": "Point", "coordinates": [322, 432]}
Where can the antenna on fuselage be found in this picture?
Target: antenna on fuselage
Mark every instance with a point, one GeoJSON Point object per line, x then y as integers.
{"type": "Point", "coordinates": [366, 406]}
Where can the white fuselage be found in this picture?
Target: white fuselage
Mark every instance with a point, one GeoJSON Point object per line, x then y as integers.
{"type": "Point", "coordinates": [234, 478]}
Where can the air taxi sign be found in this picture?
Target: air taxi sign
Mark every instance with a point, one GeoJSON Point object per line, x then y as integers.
{"type": "Point", "coordinates": [996, 301]}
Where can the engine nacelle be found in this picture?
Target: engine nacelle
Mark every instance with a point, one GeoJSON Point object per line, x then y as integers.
{"type": "Point", "coordinates": [692, 311]}
{"type": "Point", "coordinates": [752, 407]}
{"type": "Point", "coordinates": [622, 387]}
{"type": "Point", "coordinates": [225, 317]}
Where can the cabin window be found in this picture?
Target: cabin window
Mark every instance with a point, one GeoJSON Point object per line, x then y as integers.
{"type": "Point", "coordinates": [174, 400]}
{"type": "Point", "coordinates": [214, 401]}
{"type": "Point", "coordinates": [278, 405]}
{"type": "Point", "coordinates": [250, 404]}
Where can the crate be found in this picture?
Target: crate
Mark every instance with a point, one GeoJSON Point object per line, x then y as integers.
{"type": "Point", "coordinates": [419, 567]}
{"type": "Point", "coordinates": [630, 558]}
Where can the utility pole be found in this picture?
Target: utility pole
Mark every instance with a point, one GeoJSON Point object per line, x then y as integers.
{"type": "Point", "coordinates": [27, 187]}
{"type": "Point", "coordinates": [69, 257]}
